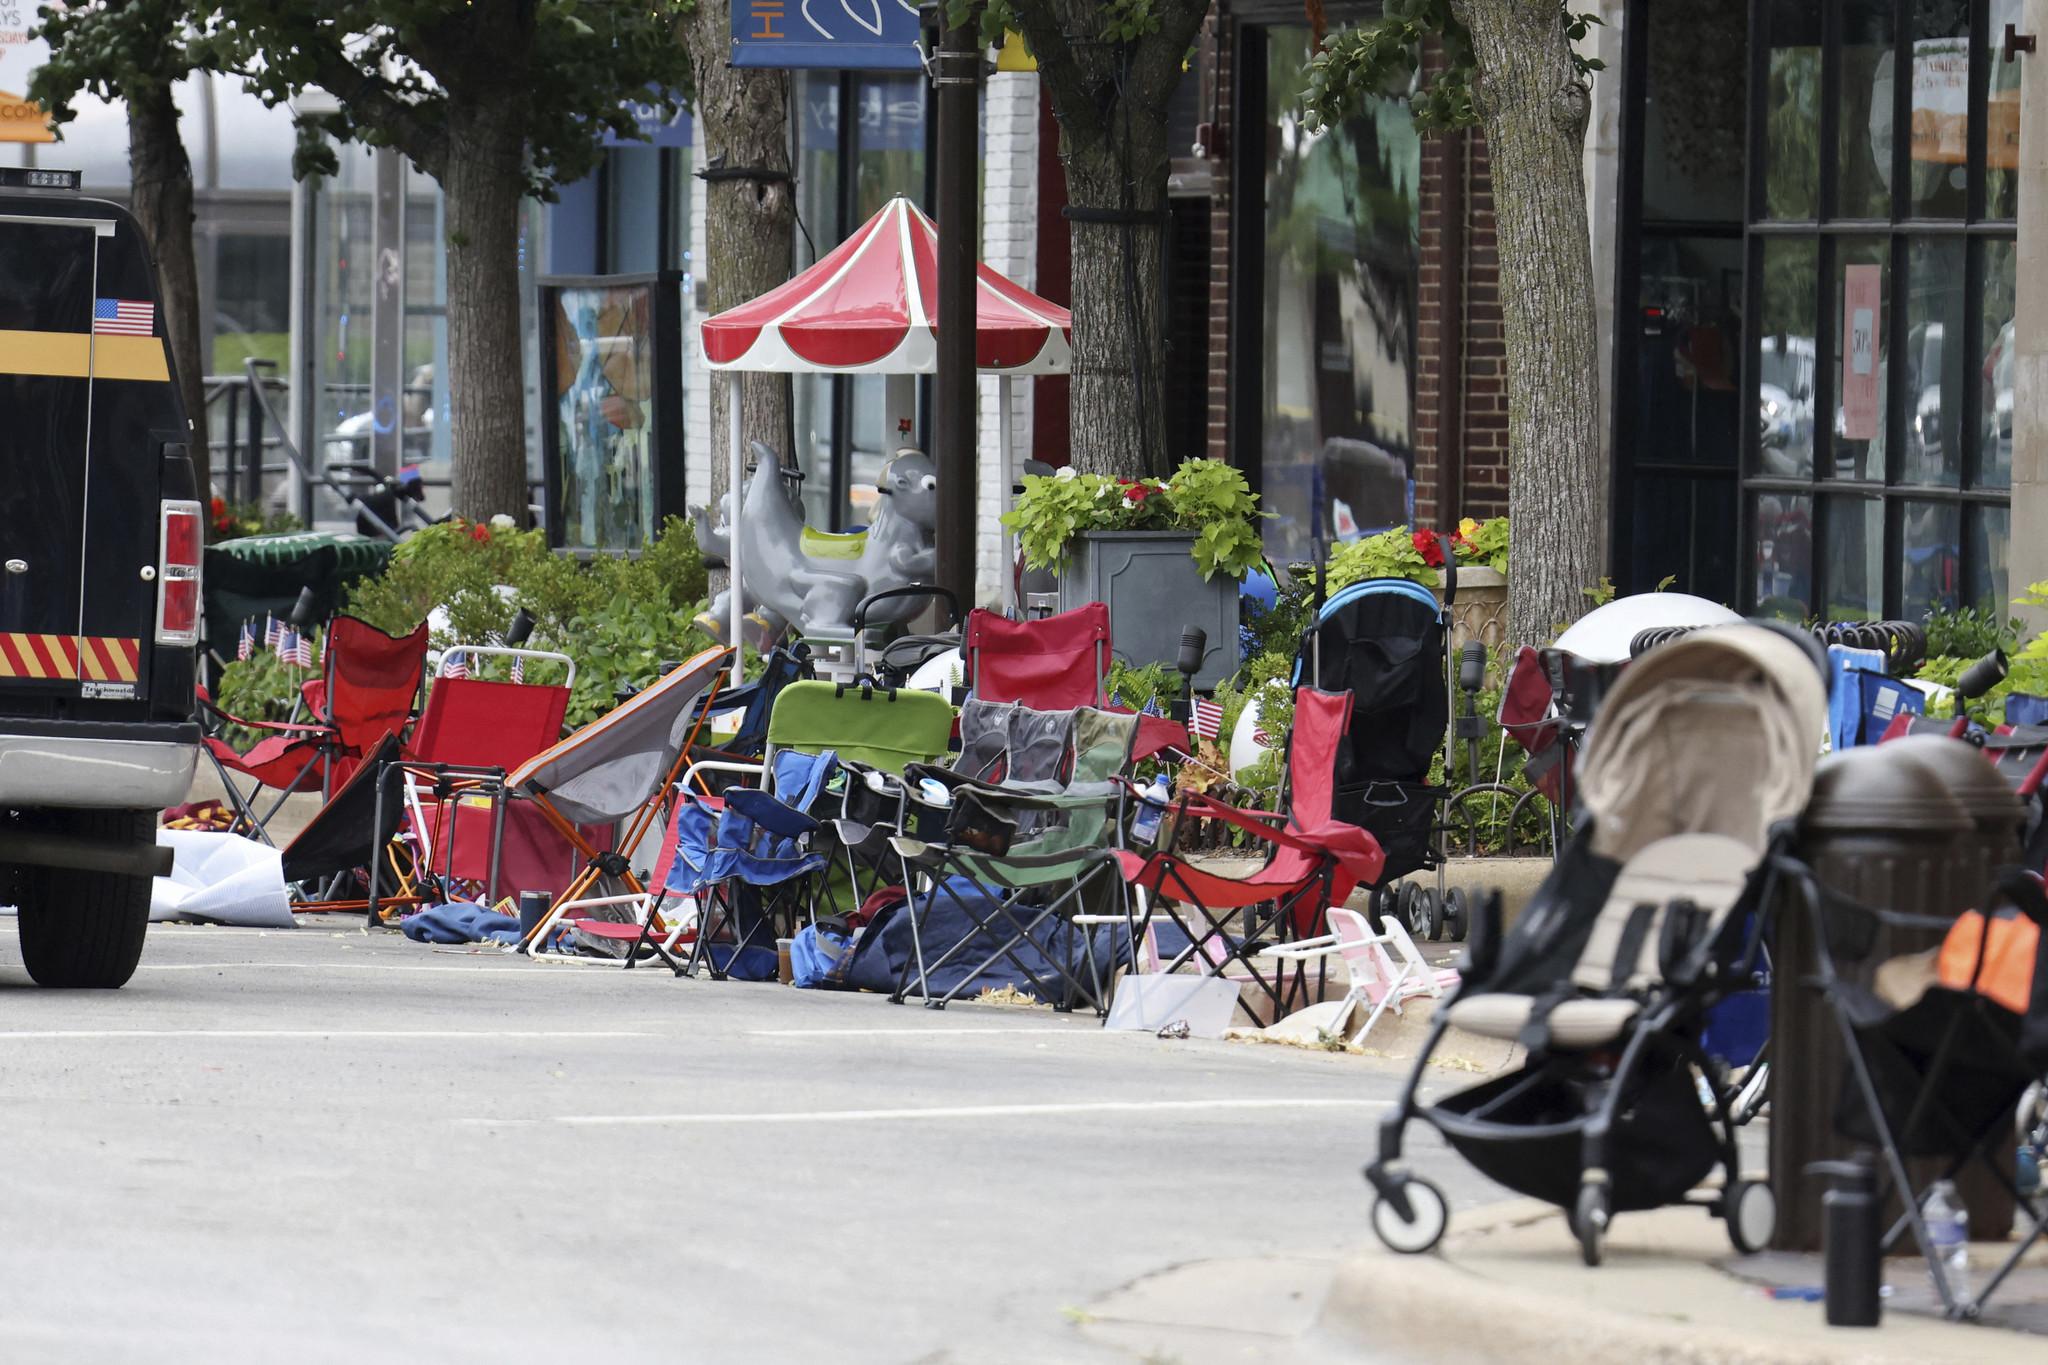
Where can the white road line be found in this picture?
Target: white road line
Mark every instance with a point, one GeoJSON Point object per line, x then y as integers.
{"type": "Point", "coordinates": [970, 1029]}
{"type": "Point", "coordinates": [964, 1111]}
{"type": "Point", "coordinates": [526, 970]}
{"type": "Point", "coordinates": [336, 1033]}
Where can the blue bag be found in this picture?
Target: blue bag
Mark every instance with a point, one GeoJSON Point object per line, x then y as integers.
{"type": "Point", "coordinates": [818, 954]}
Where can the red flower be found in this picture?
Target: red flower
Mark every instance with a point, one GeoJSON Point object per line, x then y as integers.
{"type": "Point", "coordinates": [1430, 547]}
{"type": "Point", "coordinates": [480, 533]}
{"type": "Point", "coordinates": [1138, 492]}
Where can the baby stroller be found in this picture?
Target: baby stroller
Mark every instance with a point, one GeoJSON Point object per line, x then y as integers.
{"type": "Point", "coordinates": [1694, 774]}
{"type": "Point", "coordinates": [1384, 641]}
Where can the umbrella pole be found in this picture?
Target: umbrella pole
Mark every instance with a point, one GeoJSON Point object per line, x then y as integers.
{"type": "Point", "coordinates": [733, 534]}
{"type": "Point", "coordinates": [1006, 470]}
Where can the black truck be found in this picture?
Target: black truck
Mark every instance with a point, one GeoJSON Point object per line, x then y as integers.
{"type": "Point", "coordinates": [101, 530]}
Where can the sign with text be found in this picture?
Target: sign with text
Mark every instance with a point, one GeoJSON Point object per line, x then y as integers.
{"type": "Point", "coordinates": [1862, 309]}
{"type": "Point", "coordinates": [20, 121]}
{"type": "Point", "coordinates": [658, 127]}
{"type": "Point", "coordinates": [832, 35]}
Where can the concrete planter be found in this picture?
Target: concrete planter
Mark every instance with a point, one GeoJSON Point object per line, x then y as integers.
{"type": "Point", "coordinates": [1154, 590]}
{"type": "Point", "coordinates": [1481, 611]}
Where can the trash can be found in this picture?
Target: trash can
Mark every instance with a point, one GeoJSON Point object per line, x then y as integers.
{"type": "Point", "coordinates": [1996, 813]}
{"type": "Point", "coordinates": [1883, 829]}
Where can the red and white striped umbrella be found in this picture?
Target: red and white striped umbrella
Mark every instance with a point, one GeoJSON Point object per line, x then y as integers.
{"type": "Point", "coordinates": [868, 308]}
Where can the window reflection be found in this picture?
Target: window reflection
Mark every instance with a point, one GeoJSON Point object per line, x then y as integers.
{"type": "Point", "coordinates": [1864, 140]}
{"type": "Point", "coordinates": [1340, 277]}
{"type": "Point", "coordinates": [1783, 553]}
{"type": "Point", "coordinates": [1791, 148]}
{"type": "Point", "coordinates": [2002, 114]}
{"type": "Point", "coordinates": [1985, 582]}
{"type": "Point", "coordinates": [1939, 136]}
{"type": "Point", "coordinates": [1854, 577]}
{"type": "Point", "coordinates": [1931, 571]}
{"type": "Point", "coordinates": [1995, 373]}
{"type": "Point", "coordinates": [1785, 367]}
{"type": "Point", "coordinates": [1860, 369]}
{"type": "Point", "coordinates": [1933, 368]}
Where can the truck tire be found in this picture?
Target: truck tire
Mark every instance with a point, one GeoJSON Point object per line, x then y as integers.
{"type": "Point", "coordinates": [84, 929]}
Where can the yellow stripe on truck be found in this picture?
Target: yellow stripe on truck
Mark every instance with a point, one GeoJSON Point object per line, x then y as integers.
{"type": "Point", "coordinates": [74, 355]}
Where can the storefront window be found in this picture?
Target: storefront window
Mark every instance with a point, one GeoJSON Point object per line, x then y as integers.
{"type": "Point", "coordinates": [1339, 289]}
{"type": "Point", "coordinates": [2001, 113]}
{"type": "Point", "coordinates": [1919, 401]}
{"type": "Point", "coordinates": [1791, 144]}
{"type": "Point", "coordinates": [1864, 137]}
{"type": "Point", "coordinates": [633, 210]}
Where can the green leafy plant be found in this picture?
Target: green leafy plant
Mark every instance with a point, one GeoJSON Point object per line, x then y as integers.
{"type": "Point", "coordinates": [1396, 553]}
{"type": "Point", "coordinates": [1972, 632]}
{"type": "Point", "coordinates": [1207, 497]}
{"type": "Point", "coordinates": [1601, 593]}
{"type": "Point", "coordinates": [232, 521]}
{"type": "Point", "coordinates": [1482, 543]}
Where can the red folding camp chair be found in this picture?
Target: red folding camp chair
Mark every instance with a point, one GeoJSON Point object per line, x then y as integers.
{"type": "Point", "coordinates": [472, 734]}
{"type": "Point", "coordinates": [1054, 664]}
{"type": "Point", "coordinates": [368, 689]}
{"type": "Point", "coordinates": [1315, 860]}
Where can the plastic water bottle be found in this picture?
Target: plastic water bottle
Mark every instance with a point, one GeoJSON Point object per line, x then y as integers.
{"type": "Point", "coordinates": [1948, 1229]}
{"type": "Point", "coordinates": [936, 792]}
{"type": "Point", "coordinates": [1151, 810]}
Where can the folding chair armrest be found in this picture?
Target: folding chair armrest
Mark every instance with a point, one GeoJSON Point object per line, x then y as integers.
{"type": "Point", "coordinates": [770, 814]}
{"type": "Point", "coordinates": [737, 767]}
{"type": "Point", "coordinates": [563, 909]}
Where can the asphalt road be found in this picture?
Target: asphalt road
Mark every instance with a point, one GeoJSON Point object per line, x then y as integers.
{"type": "Point", "coordinates": [330, 1146]}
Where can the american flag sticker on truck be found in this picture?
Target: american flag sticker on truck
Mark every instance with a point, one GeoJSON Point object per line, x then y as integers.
{"type": "Point", "coordinates": [90, 658]}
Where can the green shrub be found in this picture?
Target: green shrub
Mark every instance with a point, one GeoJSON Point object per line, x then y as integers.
{"type": "Point", "coordinates": [619, 618]}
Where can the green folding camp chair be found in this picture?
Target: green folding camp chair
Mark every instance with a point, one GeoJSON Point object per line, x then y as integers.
{"type": "Point", "coordinates": [762, 868]}
{"type": "Point", "coordinates": [1018, 860]}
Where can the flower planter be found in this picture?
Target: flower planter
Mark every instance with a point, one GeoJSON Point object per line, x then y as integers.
{"type": "Point", "coordinates": [1481, 611]}
{"type": "Point", "coordinates": [1154, 591]}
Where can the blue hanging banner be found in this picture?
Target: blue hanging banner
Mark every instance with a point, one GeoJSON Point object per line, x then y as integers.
{"type": "Point", "coordinates": [831, 35]}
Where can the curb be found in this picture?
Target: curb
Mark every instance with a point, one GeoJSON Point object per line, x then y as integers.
{"type": "Point", "coordinates": [1472, 1302]}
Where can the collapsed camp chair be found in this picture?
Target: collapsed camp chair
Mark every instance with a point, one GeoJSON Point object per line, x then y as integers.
{"type": "Point", "coordinates": [1941, 1047]}
{"type": "Point", "coordinates": [764, 850]}
{"type": "Point", "coordinates": [1017, 862]}
{"type": "Point", "coordinates": [368, 688]}
{"type": "Point", "coordinates": [470, 735]}
{"type": "Point", "coordinates": [618, 770]}
{"type": "Point", "coordinates": [1313, 862]}
{"type": "Point", "coordinates": [1054, 664]}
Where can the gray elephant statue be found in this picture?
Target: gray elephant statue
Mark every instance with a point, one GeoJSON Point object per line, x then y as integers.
{"type": "Point", "coordinates": [794, 576]}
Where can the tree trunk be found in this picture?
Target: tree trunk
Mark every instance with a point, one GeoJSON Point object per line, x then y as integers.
{"type": "Point", "coordinates": [1110, 99]}
{"type": "Point", "coordinates": [1118, 403]}
{"type": "Point", "coordinates": [749, 223]}
{"type": "Point", "coordinates": [1534, 108]}
{"type": "Point", "coordinates": [162, 199]}
{"type": "Point", "coordinates": [482, 184]}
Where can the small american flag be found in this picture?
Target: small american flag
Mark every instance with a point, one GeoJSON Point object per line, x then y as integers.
{"type": "Point", "coordinates": [1151, 707]}
{"type": "Point", "coordinates": [123, 317]}
{"type": "Point", "coordinates": [323, 651]}
{"type": "Point", "coordinates": [1207, 718]}
{"type": "Point", "coordinates": [287, 646]}
{"type": "Point", "coordinates": [455, 666]}
{"type": "Point", "coordinates": [519, 668]}
{"type": "Point", "coordinates": [246, 645]}
{"type": "Point", "coordinates": [302, 652]}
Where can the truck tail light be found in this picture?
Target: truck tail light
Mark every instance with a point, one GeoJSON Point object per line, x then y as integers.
{"type": "Point", "coordinates": [177, 570]}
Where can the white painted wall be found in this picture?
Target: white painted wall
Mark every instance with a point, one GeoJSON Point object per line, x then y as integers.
{"type": "Point", "coordinates": [1009, 243]}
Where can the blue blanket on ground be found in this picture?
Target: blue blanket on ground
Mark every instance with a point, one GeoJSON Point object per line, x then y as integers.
{"type": "Point", "coordinates": [884, 953]}
{"type": "Point", "coordinates": [460, 922]}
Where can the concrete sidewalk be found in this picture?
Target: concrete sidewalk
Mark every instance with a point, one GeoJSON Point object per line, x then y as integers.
{"type": "Point", "coordinates": [1670, 1290]}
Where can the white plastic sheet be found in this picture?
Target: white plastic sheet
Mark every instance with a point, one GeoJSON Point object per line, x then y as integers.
{"type": "Point", "coordinates": [221, 879]}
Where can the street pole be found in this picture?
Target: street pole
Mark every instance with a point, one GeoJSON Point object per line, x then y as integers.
{"type": "Point", "coordinates": [956, 83]}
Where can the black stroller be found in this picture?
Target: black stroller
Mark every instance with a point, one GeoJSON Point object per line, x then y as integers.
{"type": "Point", "coordinates": [1694, 773]}
{"type": "Point", "coordinates": [1384, 640]}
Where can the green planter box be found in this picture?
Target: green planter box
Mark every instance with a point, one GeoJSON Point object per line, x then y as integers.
{"type": "Point", "coordinates": [1154, 591]}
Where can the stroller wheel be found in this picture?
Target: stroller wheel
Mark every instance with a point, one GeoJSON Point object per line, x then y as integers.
{"type": "Point", "coordinates": [1589, 1222]}
{"type": "Point", "coordinates": [1457, 913]}
{"type": "Point", "coordinates": [1378, 904]}
{"type": "Point", "coordinates": [1412, 1236]}
{"type": "Point", "coordinates": [1750, 1209]}
{"type": "Point", "coordinates": [1425, 915]}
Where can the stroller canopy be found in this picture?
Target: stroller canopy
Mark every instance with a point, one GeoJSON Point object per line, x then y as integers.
{"type": "Point", "coordinates": [1714, 733]}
